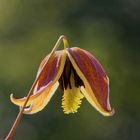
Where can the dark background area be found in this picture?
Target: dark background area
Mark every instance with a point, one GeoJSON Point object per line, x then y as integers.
{"type": "Point", "coordinates": [108, 29]}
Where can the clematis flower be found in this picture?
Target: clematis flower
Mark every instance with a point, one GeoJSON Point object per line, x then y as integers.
{"type": "Point", "coordinates": [77, 73]}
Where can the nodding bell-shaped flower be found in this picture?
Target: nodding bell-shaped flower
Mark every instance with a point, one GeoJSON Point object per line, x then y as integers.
{"type": "Point", "coordinates": [78, 73]}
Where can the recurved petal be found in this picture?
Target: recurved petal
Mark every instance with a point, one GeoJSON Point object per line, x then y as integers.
{"type": "Point", "coordinates": [20, 102]}
{"type": "Point", "coordinates": [49, 72]}
{"type": "Point", "coordinates": [95, 80]}
{"type": "Point", "coordinates": [42, 100]}
{"type": "Point", "coordinates": [37, 101]}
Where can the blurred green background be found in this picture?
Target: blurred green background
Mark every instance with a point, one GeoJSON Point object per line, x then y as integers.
{"type": "Point", "coordinates": [109, 29]}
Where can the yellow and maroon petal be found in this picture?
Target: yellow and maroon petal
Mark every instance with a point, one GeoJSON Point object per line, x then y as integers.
{"type": "Point", "coordinates": [42, 100]}
{"type": "Point", "coordinates": [37, 101]}
{"type": "Point", "coordinates": [46, 85]}
{"type": "Point", "coordinates": [95, 80]}
{"type": "Point", "coordinates": [52, 69]}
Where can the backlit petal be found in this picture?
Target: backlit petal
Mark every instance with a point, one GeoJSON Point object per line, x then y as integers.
{"type": "Point", "coordinates": [42, 100]}
{"type": "Point", "coordinates": [95, 80]}
{"type": "Point", "coordinates": [52, 68]}
{"type": "Point", "coordinates": [46, 84]}
{"type": "Point", "coordinates": [37, 101]}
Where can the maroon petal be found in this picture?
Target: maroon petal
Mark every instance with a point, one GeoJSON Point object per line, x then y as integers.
{"type": "Point", "coordinates": [90, 71]}
{"type": "Point", "coordinates": [51, 69]}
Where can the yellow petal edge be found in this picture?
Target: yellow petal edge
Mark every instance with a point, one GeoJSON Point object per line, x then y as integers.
{"type": "Point", "coordinates": [39, 100]}
{"type": "Point", "coordinates": [87, 91]}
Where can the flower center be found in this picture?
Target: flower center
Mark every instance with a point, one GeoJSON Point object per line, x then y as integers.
{"type": "Point", "coordinates": [65, 81]}
{"type": "Point", "coordinates": [70, 82]}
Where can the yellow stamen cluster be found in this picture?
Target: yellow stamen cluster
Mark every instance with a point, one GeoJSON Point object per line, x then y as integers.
{"type": "Point", "coordinates": [71, 100]}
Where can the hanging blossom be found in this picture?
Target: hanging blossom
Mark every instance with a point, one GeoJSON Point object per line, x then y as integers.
{"type": "Point", "coordinates": [77, 73]}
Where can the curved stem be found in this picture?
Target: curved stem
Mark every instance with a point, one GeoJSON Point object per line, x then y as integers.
{"type": "Point", "coordinates": [65, 42]}
{"type": "Point", "coordinates": [19, 116]}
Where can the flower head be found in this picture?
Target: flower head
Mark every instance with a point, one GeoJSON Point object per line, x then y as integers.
{"type": "Point", "coordinates": [78, 73]}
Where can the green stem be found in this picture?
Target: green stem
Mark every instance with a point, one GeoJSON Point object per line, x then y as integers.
{"type": "Point", "coordinates": [19, 116]}
{"type": "Point", "coordinates": [66, 44]}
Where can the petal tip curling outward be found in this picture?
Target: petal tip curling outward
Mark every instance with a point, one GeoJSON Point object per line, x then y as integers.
{"type": "Point", "coordinates": [42, 100]}
{"type": "Point", "coordinates": [96, 83]}
{"type": "Point", "coordinates": [46, 85]}
{"type": "Point", "coordinates": [18, 102]}
{"type": "Point", "coordinates": [37, 101]}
